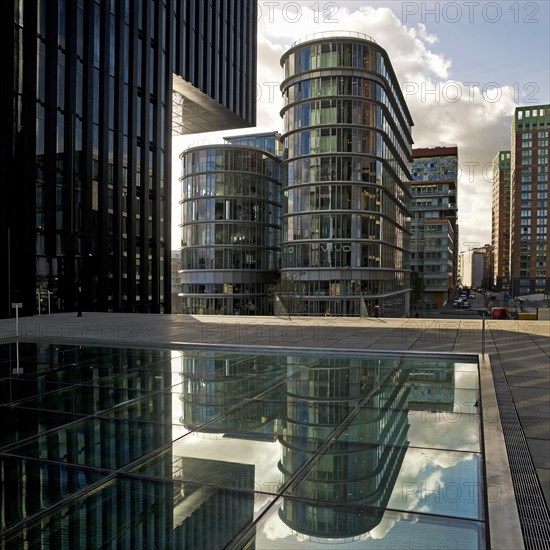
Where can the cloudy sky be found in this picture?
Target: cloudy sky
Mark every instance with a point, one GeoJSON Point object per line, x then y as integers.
{"type": "Point", "coordinates": [463, 67]}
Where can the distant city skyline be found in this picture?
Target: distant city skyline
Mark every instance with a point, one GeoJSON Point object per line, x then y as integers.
{"type": "Point", "coordinates": [459, 66]}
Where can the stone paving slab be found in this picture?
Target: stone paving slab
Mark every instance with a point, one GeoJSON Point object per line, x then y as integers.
{"type": "Point", "coordinates": [540, 451]}
{"type": "Point", "coordinates": [536, 427]}
{"type": "Point", "coordinates": [544, 478]}
{"type": "Point", "coordinates": [528, 381]}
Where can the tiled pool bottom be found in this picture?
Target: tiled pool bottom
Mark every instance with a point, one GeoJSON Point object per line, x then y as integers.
{"type": "Point", "coordinates": [128, 448]}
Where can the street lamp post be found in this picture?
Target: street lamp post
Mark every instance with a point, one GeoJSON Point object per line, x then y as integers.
{"type": "Point", "coordinates": [483, 314]}
{"type": "Point", "coordinates": [16, 306]}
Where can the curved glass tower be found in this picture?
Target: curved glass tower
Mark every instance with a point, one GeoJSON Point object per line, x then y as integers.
{"type": "Point", "coordinates": [347, 131]}
{"type": "Point", "coordinates": [231, 209]}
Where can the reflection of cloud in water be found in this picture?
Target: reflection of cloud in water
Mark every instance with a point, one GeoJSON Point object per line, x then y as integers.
{"type": "Point", "coordinates": [466, 379]}
{"type": "Point", "coordinates": [449, 418]}
{"type": "Point", "coordinates": [444, 430]}
{"type": "Point", "coordinates": [383, 528]}
{"type": "Point", "coordinates": [407, 494]}
{"type": "Point", "coordinates": [419, 460]}
{"type": "Point", "coordinates": [274, 528]}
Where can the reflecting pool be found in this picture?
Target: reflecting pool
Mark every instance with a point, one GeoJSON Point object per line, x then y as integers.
{"type": "Point", "coordinates": [149, 448]}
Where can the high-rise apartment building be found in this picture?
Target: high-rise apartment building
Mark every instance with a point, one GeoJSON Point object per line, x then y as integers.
{"type": "Point", "coordinates": [347, 132]}
{"type": "Point", "coordinates": [476, 267]}
{"type": "Point", "coordinates": [85, 149]}
{"type": "Point", "coordinates": [500, 221]}
{"type": "Point", "coordinates": [434, 241]}
{"type": "Point", "coordinates": [231, 223]}
{"type": "Point", "coordinates": [529, 219]}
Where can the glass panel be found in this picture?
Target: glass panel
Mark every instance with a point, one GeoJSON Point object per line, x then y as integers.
{"type": "Point", "coordinates": [380, 451]}
{"type": "Point", "coordinates": [304, 524]}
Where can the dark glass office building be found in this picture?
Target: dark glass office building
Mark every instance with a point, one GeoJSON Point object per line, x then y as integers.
{"type": "Point", "coordinates": [91, 94]}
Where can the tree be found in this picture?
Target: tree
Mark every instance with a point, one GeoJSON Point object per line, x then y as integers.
{"type": "Point", "coordinates": [417, 287]}
{"type": "Point", "coordinates": [287, 295]}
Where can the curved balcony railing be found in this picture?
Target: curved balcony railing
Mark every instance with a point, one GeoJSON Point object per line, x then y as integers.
{"type": "Point", "coordinates": [333, 34]}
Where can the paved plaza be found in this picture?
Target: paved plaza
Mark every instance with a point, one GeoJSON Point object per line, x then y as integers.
{"type": "Point", "coordinates": [516, 358]}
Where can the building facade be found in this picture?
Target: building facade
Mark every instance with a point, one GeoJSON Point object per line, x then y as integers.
{"type": "Point", "coordinates": [86, 140]}
{"type": "Point", "coordinates": [175, 274]}
{"type": "Point", "coordinates": [529, 219]}
{"type": "Point", "coordinates": [347, 133]}
{"type": "Point", "coordinates": [472, 267]}
{"type": "Point", "coordinates": [231, 216]}
{"type": "Point", "coordinates": [500, 221]}
{"type": "Point", "coordinates": [434, 241]}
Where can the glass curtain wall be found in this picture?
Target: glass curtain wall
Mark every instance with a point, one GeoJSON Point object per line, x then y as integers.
{"type": "Point", "coordinates": [230, 229]}
{"type": "Point", "coordinates": [347, 133]}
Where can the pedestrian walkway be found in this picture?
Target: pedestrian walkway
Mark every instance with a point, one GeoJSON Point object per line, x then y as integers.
{"type": "Point", "coordinates": [518, 353]}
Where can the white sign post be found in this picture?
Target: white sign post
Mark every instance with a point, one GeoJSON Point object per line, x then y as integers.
{"type": "Point", "coordinates": [16, 305]}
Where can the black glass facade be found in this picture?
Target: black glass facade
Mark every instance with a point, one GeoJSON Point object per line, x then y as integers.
{"type": "Point", "coordinates": [215, 65]}
{"type": "Point", "coordinates": [345, 197]}
{"type": "Point", "coordinates": [86, 140]}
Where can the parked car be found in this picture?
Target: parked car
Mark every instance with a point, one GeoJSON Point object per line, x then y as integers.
{"type": "Point", "coordinates": [458, 303]}
{"type": "Point", "coordinates": [472, 296]}
{"type": "Point", "coordinates": [465, 305]}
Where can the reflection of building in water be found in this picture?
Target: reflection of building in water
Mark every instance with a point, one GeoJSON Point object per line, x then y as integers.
{"type": "Point", "coordinates": [78, 415]}
{"type": "Point", "coordinates": [342, 424]}
{"type": "Point", "coordinates": [432, 387]}
{"type": "Point", "coordinates": [75, 422]}
{"type": "Point", "coordinates": [197, 503]}
{"type": "Point", "coordinates": [213, 385]}
{"type": "Point", "coordinates": [347, 486]}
